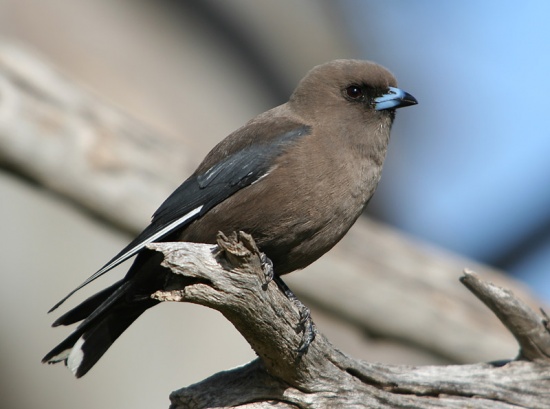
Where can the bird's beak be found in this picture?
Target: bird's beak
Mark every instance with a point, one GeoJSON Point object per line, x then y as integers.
{"type": "Point", "coordinates": [393, 99]}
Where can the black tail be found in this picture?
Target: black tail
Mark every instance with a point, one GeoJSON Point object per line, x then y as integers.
{"type": "Point", "coordinates": [87, 307]}
{"type": "Point", "coordinates": [106, 316]}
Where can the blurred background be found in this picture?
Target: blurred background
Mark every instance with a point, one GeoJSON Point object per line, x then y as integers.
{"type": "Point", "coordinates": [467, 169]}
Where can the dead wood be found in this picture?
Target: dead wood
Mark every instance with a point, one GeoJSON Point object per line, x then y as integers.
{"type": "Point", "coordinates": [230, 279]}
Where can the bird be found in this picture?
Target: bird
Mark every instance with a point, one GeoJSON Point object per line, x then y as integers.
{"type": "Point", "coordinates": [295, 177]}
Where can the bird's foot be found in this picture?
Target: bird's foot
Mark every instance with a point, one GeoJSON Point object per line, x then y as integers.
{"type": "Point", "coordinates": [305, 325]}
{"type": "Point", "coordinates": [267, 267]}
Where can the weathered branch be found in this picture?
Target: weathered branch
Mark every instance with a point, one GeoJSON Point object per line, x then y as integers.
{"type": "Point", "coordinates": [230, 279]}
{"type": "Point", "coordinates": [530, 329]}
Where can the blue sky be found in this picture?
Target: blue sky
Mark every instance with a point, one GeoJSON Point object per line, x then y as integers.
{"type": "Point", "coordinates": [469, 167]}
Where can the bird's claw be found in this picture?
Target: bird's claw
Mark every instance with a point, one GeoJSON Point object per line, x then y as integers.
{"type": "Point", "coordinates": [305, 325]}
{"type": "Point", "coordinates": [267, 267]}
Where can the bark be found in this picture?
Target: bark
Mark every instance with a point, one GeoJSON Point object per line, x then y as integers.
{"type": "Point", "coordinates": [231, 280]}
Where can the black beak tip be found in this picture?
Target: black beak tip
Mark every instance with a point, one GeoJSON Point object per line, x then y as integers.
{"type": "Point", "coordinates": [408, 100]}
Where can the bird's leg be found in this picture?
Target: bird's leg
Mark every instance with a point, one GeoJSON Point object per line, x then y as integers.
{"type": "Point", "coordinates": [267, 267]}
{"type": "Point", "coordinates": [306, 323]}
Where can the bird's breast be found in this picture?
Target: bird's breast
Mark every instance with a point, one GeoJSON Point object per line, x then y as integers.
{"type": "Point", "coordinates": [298, 211]}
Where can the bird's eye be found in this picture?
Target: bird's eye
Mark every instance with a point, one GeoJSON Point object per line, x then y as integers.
{"type": "Point", "coordinates": [354, 92]}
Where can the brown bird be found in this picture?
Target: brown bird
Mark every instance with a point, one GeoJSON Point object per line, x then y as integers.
{"type": "Point", "coordinates": [295, 177]}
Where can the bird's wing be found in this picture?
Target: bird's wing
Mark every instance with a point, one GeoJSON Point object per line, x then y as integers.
{"type": "Point", "coordinates": [201, 192]}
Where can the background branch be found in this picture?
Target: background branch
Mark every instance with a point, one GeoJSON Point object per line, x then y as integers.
{"type": "Point", "coordinates": [394, 300]}
{"type": "Point", "coordinates": [57, 134]}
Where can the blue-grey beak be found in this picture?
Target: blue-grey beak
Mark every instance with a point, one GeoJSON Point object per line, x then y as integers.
{"type": "Point", "coordinates": [393, 99]}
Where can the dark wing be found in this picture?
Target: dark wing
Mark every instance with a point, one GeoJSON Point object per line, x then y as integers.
{"type": "Point", "coordinates": [201, 192]}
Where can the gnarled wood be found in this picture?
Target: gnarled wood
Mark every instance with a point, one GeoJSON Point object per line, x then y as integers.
{"type": "Point", "coordinates": [529, 328]}
{"type": "Point", "coordinates": [230, 279]}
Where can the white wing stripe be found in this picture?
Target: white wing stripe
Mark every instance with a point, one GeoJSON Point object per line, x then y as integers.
{"type": "Point", "coordinates": [151, 239]}
{"type": "Point", "coordinates": [131, 252]}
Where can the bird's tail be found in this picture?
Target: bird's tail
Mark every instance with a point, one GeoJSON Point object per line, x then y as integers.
{"type": "Point", "coordinates": [105, 316]}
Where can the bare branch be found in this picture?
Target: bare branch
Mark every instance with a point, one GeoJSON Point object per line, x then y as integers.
{"type": "Point", "coordinates": [230, 279]}
{"type": "Point", "coordinates": [530, 329]}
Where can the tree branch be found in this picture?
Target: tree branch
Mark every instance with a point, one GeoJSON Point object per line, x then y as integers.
{"type": "Point", "coordinates": [230, 279]}
{"type": "Point", "coordinates": [529, 328]}
{"type": "Point", "coordinates": [60, 135]}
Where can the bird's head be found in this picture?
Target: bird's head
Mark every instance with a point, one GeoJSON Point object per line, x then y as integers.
{"type": "Point", "coordinates": [349, 88]}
